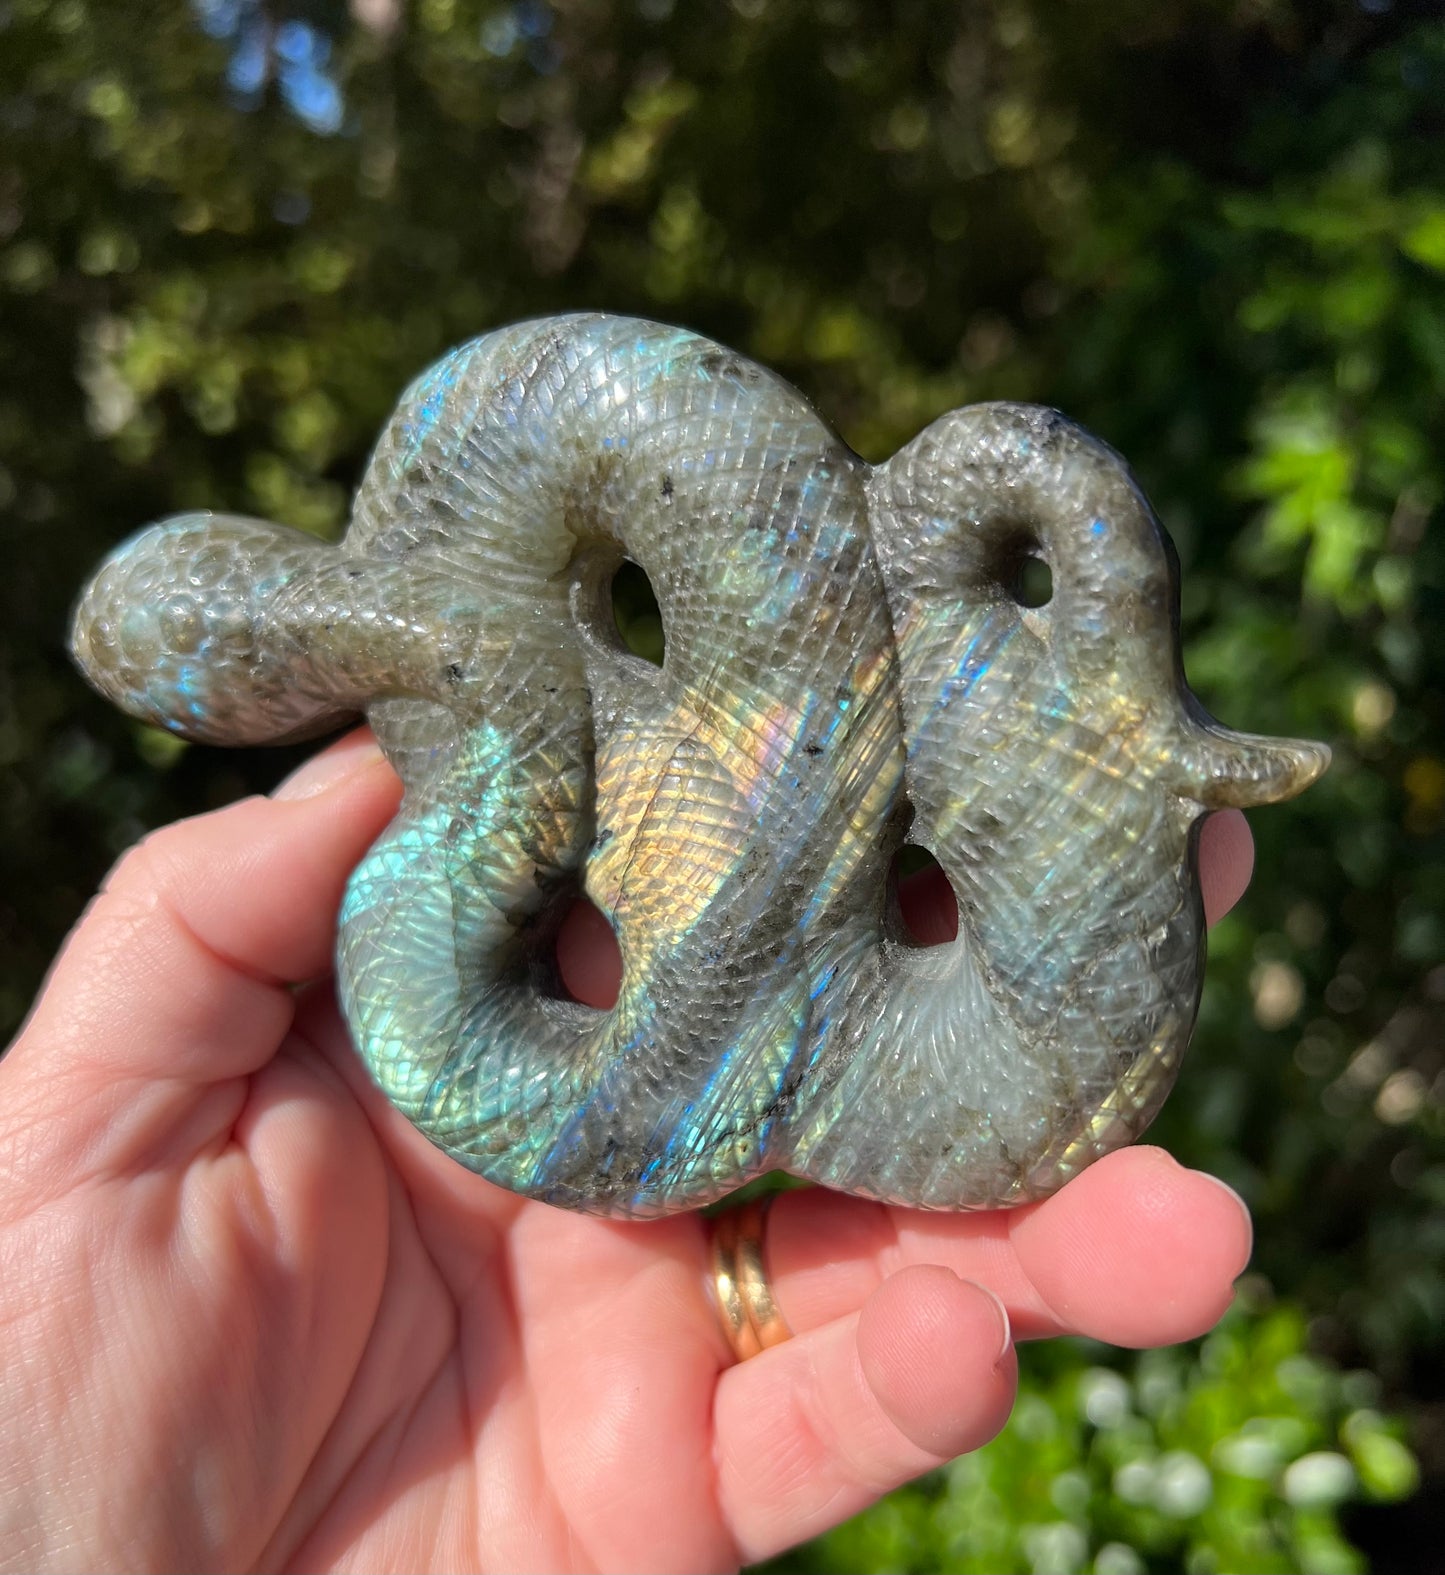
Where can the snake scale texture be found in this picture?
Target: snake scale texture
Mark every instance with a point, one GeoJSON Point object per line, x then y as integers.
{"type": "Point", "coordinates": [846, 666]}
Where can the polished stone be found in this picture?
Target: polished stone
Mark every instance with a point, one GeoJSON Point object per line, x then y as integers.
{"type": "Point", "coordinates": [851, 658]}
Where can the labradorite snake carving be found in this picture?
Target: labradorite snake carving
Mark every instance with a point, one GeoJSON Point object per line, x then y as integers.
{"type": "Point", "coordinates": [845, 665]}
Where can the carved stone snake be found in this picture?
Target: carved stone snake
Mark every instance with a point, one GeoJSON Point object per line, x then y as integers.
{"type": "Point", "coordinates": [846, 665]}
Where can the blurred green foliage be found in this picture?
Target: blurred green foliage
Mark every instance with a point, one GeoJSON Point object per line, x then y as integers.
{"type": "Point", "coordinates": [1212, 230]}
{"type": "Point", "coordinates": [1232, 1457]}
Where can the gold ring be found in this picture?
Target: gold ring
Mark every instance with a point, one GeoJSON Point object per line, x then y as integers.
{"type": "Point", "coordinates": [751, 1319]}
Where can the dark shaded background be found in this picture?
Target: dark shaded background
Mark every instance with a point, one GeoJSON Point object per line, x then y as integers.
{"type": "Point", "coordinates": [230, 232]}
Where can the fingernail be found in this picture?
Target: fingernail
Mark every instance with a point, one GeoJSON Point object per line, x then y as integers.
{"type": "Point", "coordinates": [331, 766]}
{"type": "Point", "coordinates": [1243, 1208]}
{"type": "Point", "coordinates": [1006, 1343]}
{"type": "Point", "coordinates": [1224, 1186]}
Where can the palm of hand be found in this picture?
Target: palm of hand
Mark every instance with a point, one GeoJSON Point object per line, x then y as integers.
{"type": "Point", "coordinates": [256, 1321]}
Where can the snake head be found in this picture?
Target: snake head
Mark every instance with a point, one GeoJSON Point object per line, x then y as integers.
{"type": "Point", "coordinates": [180, 628]}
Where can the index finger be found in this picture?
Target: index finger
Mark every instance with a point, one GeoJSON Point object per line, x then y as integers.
{"type": "Point", "coordinates": [179, 974]}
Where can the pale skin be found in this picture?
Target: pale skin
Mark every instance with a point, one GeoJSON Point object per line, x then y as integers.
{"type": "Point", "coordinates": [252, 1319]}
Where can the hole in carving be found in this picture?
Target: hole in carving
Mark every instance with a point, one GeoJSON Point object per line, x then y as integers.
{"type": "Point", "coordinates": [589, 963]}
{"type": "Point", "coordinates": [1030, 581]}
{"type": "Point", "coordinates": [635, 611]}
{"type": "Point", "coordinates": [926, 901]}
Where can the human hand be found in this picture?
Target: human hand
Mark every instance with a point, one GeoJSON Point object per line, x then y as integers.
{"type": "Point", "coordinates": [254, 1320]}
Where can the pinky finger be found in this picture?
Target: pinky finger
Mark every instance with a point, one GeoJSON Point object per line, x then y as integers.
{"type": "Point", "coordinates": [816, 1429]}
